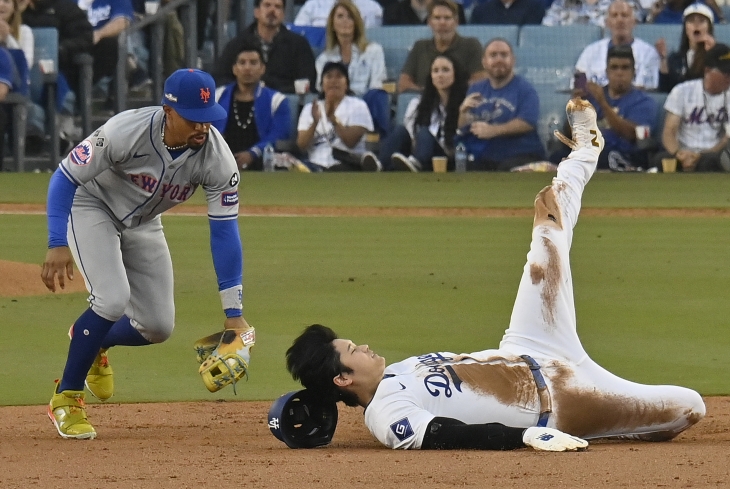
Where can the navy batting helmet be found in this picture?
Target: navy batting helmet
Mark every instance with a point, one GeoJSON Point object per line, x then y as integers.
{"type": "Point", "coordinates": [302, 420]}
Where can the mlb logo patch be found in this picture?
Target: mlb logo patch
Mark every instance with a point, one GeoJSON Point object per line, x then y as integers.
{"type": "Point", "coordinates": [229, 198]}
{"type": "Point", "coordinates": [81, 154]}
{"type": "Point", "coordinates": [402, 429]}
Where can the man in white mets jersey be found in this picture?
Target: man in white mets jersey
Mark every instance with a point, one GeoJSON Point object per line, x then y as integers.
{"type": "Point", "coordinates": [104, 206]}
{"type": "Point", "coordinates": [696, 122]}
{"type": "Point", "coordinates": [539, 388]}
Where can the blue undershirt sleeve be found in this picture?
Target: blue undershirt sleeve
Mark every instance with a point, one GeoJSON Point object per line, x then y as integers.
{"type": "Point", "coordinates": [61, 193]}
{"type": "Point", "coordinates": [225, 245]}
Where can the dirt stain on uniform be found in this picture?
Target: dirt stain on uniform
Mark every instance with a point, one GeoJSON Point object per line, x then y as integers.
{"type": "Point", "coordinates": [547, 210]}
{"type": "Point", "coordinates": [510, 385]}
{"type": "Point", "coordinates": [588, 413]}
{"type": "Point", "coordinates": [550, 275]}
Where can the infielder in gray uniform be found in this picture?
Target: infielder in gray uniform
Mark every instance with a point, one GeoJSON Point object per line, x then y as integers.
{"type": "Point", "coordinates": [539, 388]}
{"type": "Point", "coordinates": [104, 206]}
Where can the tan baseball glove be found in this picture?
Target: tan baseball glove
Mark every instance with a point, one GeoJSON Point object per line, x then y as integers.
{"type": "Point", "coordinates": [225, 357]}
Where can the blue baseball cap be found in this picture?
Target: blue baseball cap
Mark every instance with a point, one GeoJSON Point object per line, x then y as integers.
{"type": "Point", "coordinates": [192, 94]}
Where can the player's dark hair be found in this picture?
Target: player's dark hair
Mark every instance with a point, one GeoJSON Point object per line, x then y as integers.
{"type": "Point", "coordinates": [249, 47]}
{"type": "Point", "coordinates": [257, 3]}
{"type": "Point", "coordinates": [313, 361]}
{"type": "Point", "coordinates": [430, 100]}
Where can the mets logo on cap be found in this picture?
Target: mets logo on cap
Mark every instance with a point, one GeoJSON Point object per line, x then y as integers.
{"type": "Point", "coordinates": [190, 93]}
{"type": "Point", "coordinates": [81, 154]}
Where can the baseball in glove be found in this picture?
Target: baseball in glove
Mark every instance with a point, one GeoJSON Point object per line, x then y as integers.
{"type": "Point", "coordinates": [225, 357]}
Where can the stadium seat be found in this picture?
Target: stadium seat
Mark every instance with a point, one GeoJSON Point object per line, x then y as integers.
{"type": "Point", "coordinates": [317, 36]}
{"type": "Point", "coordinates": [652, 32]}
{"type": "Point", "coordinates": [397, 42]}
{"type": "Point", "coordinates": [488, 32]}
{"type": "Point", "coordinates": [559, 37]}
{"type": "Point", "coordinates": [545, 66]}
{"type": "Point", "coordinates": [659, 98]}
{"type": "Point", "coordinates": [552, 116]}
{"type": "Point", "coordinates": [401, 105]}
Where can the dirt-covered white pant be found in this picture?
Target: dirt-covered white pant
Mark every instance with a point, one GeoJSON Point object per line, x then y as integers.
{"type": "Point", "coordinates": [587, 400]}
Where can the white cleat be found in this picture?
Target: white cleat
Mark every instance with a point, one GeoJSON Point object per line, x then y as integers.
{"type": "Point", "coordinates": [586, 135]}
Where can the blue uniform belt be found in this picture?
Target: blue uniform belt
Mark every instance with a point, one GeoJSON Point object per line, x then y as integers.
{"type": "Point", "coordinates": [542, 391]}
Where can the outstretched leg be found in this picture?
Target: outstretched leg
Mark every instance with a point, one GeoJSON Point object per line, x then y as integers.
{"type": "Point", "coordinates": [543, 318]}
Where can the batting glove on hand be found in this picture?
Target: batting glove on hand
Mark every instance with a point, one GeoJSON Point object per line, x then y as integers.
{"type": "Point", "coordinates": [552, 440]}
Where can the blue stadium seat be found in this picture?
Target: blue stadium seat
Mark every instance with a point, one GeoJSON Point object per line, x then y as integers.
{"type": "Point", "coordinates": [398, 36]}
{"type": "Point", "coordinates": [397, 42]}
{"type": "Point", "coordinates": [488, 32]}
{"type": "Point", "coordinates": [722, 33]}
{"type": "Point", "coordinates": [659, 98]}
{"type": "Point", "coordinates": [545, 66]}
{"type": "Point", "coordinates": [552, 115]}
{"type": "Point", "coordinates": [317, 36]}
{"type": "Point", "coordinates": [401, 105]}
{"type": "Point", "coordinates": [559, 37]}
{"type": "Point", "coordinates": [652, 32]}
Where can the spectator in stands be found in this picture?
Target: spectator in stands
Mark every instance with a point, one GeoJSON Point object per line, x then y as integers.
{"type": "Point", "coordinates": [346, 42]}
{"type": "Point", "coordinates": [75, 34]}
{"type": "Point", "coordinates": [568, 12]}
{"type": "Point", "coordinates": [498, 117]}
{"type": "Point", "coordinates": [316, 12]}
{"type": "Point", "coordinates": [332, 130]}
{"type": "Point", "coordinates": [173, 43]}
{"type": "Point", "coordinates": [689, 62]}
{"type": "Point", "coordinates": [620, 22]}
{"type": "Point", "coordinates": [510, 12]}
{"type": "Point", "coordinates": [620, 108]}
{"type": "Point", "coordinates": [411, 12]}
{"type": "Point", "coordinates": [13, 33]}
{"type": "Point", "coordinates": [257, 115]}
{"type": "Point", "coordinates": [430, 121]}
{"type": "Point", "coordinates": [365, 61]}
{"type": "Point", "coordinates": [287, 56]}
{"type": "Point", "coordinates": [7, 77]}
{"type": "Point", "coordinates": [465, 50]}
{"type": "Point", "coordinates": [697, 117]}
{"type": "Point", "coordinates": [672, 11]}
{"type": "Point", "coordinates": [109, 18]}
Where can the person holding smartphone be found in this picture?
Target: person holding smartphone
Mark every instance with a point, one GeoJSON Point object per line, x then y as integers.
{"type": "Point", "coordinates": [498, 117]}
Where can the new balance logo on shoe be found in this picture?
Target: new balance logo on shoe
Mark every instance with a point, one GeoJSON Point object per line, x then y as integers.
{"type": "Point", "coordinates": [545, 437]}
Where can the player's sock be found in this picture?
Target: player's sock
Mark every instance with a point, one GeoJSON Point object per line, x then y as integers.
{"type": "Point", "coordinates": [88, 332]}
{"type": "Point", "coordinates": [123, 333]}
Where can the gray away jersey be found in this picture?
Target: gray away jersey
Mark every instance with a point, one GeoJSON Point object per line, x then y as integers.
{"type": "Point", "coordinates": [126, 166]}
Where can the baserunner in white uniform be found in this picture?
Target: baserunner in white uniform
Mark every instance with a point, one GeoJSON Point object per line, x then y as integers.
{"type": "Point", "coordinates": [104, 206]}
{"type": "Point", "coordinates": [537, 389]}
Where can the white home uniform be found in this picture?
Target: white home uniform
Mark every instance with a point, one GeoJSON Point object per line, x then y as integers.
{"type": "Point", "coordinates": [592, 62]}
{"type": "Point", "coordinates": [126, 179]}
{"type": "Point", "coordinates": [704, 117]}
{"type": "Point", "coordinates": [497, 386]}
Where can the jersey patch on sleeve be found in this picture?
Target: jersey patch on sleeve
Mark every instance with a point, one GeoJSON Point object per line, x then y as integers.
{"type": "Point", "coordinates": [81, 154]}
{"type": "Point", "coordinates": [234, 180]}
{"type": "Point", "coordinates": [402, 429]}
{"type": "Point", "coordinates": [229, 198]}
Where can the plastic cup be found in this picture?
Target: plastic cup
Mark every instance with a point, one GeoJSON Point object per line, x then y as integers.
{"type": "Point", "coordinates": [669, 165]}
{"type": "Point", "coordinates": [439, 164]}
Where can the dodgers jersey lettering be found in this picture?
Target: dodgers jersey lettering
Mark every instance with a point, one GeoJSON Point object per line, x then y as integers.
{"type": "Point", "coordinates": [125, 165]}
{"type": "Point", "coordinates": [481, 387]}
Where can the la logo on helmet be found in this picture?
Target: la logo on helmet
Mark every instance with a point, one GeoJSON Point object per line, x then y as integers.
{"type": "Point", "coordinates": [205, 94]}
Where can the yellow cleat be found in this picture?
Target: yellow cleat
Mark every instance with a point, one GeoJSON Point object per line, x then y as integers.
{"type": "Point", "coordinates": [100, 379]}
{"type": "Point", "coordinates": [68, 413]}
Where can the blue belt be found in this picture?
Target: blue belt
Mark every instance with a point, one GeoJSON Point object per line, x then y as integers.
{"type": "Point", "coordinates": [542, 391]}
